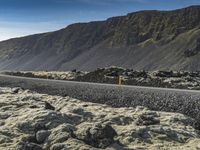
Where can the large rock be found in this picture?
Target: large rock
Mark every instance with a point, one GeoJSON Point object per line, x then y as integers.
{"type": "Point", "coordinates": [149, 118]}
{"type": "Point", "coordinates": [42, 135]}
{"type": "Point", "coordinates": [99, 136]}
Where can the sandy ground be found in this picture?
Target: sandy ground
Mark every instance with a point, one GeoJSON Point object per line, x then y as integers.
{"type": "Point", "coordinates": [32, 121]}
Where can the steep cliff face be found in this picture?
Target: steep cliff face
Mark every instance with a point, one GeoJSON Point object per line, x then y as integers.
{"type": "Point", "coordinates": [142, 40]}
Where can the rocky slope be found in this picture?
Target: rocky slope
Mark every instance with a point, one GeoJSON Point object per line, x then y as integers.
{"type": "Point", "coordinates": [141, 40]}
{"type": "Point", "coordinates": [29, 120]}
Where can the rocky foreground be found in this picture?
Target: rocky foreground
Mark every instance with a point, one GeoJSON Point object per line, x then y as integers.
{"type": "Point", "coordinates": [32, 121]}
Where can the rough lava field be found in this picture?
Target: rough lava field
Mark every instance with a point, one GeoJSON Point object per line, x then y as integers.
{"type": "Point", "coordinates": [165, 79]}
{"type": "Point", "coordinates": [32, 121]}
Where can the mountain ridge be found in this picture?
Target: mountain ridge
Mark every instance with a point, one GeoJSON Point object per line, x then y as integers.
{"type": "Point", "coordinates": [146, 40]}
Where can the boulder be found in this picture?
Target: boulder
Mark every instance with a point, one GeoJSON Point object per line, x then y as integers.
{"type": "Point", "coordinates": [41, 136]}
{"type": "Point", "coordinates": [147, 119]}
{"type": "Point", "coordinates": [99, 136]}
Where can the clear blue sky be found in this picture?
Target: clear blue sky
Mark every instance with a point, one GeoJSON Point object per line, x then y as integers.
{"type": "Point", "coordinates": [24, 17]}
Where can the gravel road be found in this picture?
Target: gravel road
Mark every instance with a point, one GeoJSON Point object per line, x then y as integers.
{"type": "Point", "coordinates": [160, 99]}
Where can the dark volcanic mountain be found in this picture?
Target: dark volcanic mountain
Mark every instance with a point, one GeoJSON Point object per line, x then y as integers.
{"type": "Point", "coordinates": [147, 40]}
